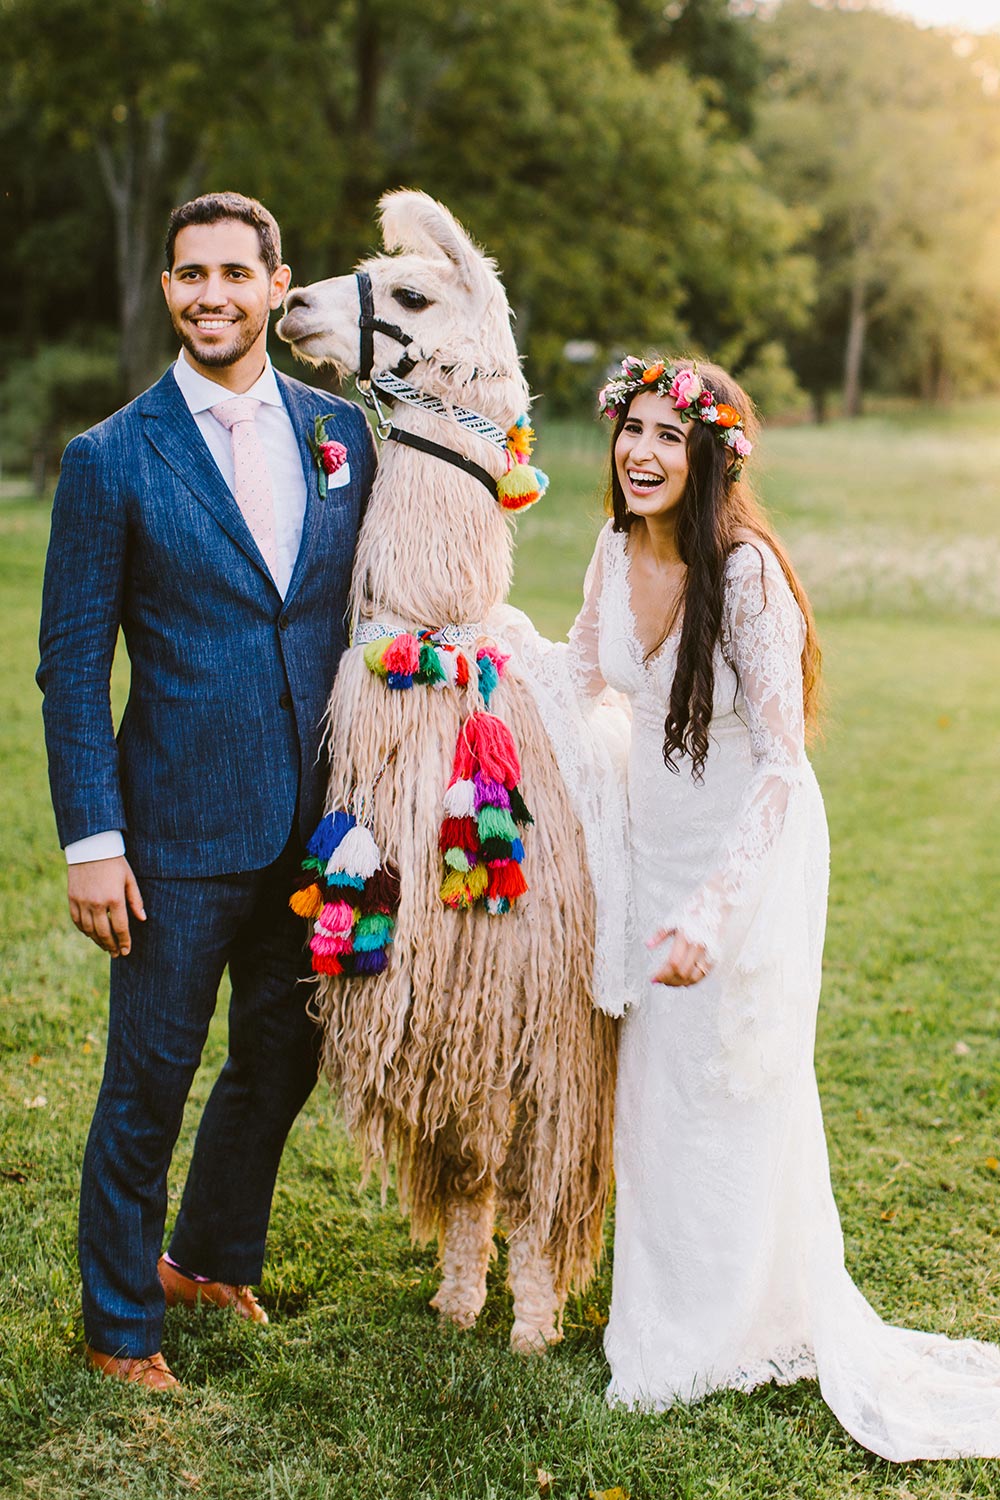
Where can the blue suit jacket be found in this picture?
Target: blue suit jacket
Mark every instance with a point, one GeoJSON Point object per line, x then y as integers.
{"type": "Point", "coordinates": [220, 741]}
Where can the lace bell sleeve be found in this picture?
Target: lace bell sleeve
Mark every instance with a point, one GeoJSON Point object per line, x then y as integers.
{"type": "Point", "coordinates": [583, 655]}
{"type": "Point", "coordinates": [763, 635]}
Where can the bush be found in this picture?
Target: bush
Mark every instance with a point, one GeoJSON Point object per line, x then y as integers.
{"type": "Point", "coordinates": [50, 396]}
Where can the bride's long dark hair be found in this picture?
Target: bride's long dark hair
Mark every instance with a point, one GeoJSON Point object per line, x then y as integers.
{"type": "Point", "coordinates": [715, 514]}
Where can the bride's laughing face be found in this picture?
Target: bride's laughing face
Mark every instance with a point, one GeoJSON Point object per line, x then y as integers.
{"type": "Point", "coordinates": [651, 456]}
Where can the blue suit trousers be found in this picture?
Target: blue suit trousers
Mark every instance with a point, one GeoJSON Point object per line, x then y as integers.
{"type": "Point", "coordinates": [163, 996]}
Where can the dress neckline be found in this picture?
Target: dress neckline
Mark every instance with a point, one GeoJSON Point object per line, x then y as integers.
{"type": "Point", "coordinates": [646, 662]}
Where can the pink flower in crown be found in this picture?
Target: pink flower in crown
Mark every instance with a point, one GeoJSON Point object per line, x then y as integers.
{"type": "Point", "coordinates": [686, 389]}
{"type": "Point", "coordinates": [332, 456]}
{"type": "Point", "coordinates": [741, 444]}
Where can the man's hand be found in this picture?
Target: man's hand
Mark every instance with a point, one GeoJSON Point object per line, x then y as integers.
{"type": "Point", "coordinates": [102, 892]}
{"type": "Point", "coordinates": [686, 963]}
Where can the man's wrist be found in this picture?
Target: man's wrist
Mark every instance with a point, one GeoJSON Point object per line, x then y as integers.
{"type": "Point", "coordinates": [107, 845]}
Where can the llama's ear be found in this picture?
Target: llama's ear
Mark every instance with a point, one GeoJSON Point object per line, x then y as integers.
{"type": "Point", "coordinates": [414, 221]}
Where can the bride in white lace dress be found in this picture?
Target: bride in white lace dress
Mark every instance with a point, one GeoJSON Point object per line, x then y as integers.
{"type": "Point", "coordinates": [728, 1260]}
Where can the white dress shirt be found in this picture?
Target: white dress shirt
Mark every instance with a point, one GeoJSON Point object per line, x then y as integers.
{"type": "Point", "coordinates": [288, 486]}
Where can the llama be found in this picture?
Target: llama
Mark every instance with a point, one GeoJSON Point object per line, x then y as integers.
{"type": "Point", "coordinates": [476, 1062]}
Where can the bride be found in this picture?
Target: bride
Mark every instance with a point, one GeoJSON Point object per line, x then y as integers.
{"type": "Point", "coordinates": [728, 1261]}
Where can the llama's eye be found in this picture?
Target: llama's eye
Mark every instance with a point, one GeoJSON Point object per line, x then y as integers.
{"type": "Point", "coordinates": [407, 297]}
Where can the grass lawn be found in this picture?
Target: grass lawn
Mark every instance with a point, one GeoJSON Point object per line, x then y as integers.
{"type": "Point", "coordinates": [354, 1390]}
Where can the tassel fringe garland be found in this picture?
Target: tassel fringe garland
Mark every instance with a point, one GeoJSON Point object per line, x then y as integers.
{"type": "Point", "coordinates": [351, 897]}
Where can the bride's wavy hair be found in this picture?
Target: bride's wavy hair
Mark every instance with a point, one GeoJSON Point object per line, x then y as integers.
{"type": "Point", "coordinates": [714, 515]}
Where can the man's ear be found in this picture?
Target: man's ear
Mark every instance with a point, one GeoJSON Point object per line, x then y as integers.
{"type": "Point", "coordinates": [280, 282]}
{"type": "Point", "coordinates": [165, 282]}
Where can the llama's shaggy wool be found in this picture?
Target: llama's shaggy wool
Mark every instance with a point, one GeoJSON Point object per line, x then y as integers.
{"type": "Point", "coordinates": [476, 1063]}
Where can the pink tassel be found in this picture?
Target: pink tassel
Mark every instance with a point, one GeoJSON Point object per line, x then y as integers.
{"type": "Point", "coordinates": [403, 656]}
{"type": "Point", "coordinates": [494, 747]}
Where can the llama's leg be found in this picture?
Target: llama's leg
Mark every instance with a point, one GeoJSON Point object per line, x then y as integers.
{"type": "Point", "coordinates": [537, 1305]}
{"type": "Point", "coordinates": [466, 1247]}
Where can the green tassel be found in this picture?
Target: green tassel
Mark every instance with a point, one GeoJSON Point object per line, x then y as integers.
{"type": "Point", "coordinates": [430, 669]}
{"type": "Point", "coordinates": [376, 925]}
{"type": "Point", "coordinates": [374, 652]}
{"type": "Point", "coordinates": [457, 859]}
{"type": "Point", "coordinates": [496, 823]}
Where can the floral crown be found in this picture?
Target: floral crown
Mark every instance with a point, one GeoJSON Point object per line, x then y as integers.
{"type": "Point", "coordinates": [692, 399]}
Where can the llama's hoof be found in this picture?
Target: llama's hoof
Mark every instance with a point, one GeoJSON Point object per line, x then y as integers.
{"type": "Point", "coordinates": [528, 1338]}
{"type": "Point", "coordinates": [454, 1309]}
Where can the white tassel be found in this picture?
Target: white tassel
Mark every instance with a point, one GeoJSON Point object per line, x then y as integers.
{"type": "Point", "coordinates": [460, 800]}
{"type": "Point", "coordinates": [357, 854]}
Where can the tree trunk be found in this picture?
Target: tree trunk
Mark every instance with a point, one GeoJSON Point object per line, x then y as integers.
{"type": "Point", "coordinates": [856, 327]}
{"type": "Point", "coordinates": [133, 176]}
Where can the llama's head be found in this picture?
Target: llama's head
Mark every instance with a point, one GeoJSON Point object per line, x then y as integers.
{"type": "Point", "coordinates": [436, 286]}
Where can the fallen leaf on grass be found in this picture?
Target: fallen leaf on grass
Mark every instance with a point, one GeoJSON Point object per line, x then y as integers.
{"type": "Point", "coordinates": [39, 1102]}
{"type": "Point", "coordinates": [888, 1214]}
{"type": "Point", "coordinates": [955, 1140]}
{"type": "Point", "coordinates": [615, 1493]}
{"type": "Point", "coordinates": [11, 1174]}
{"type": "Point", "coordinates": [992, 1163]}
{"type": "Point", "coordinates": [87, 1047]}
{"type": "Point", "coordinates": [545, 1482]}
{"type": "Point", "coordinates": [962, 1049]}
{"type": "Point", "coordinates": [944, 721]}
{"type": "Point", "coordinates": [34, 1059]}
{"type": "Point", "coordinates": [191, 1480]}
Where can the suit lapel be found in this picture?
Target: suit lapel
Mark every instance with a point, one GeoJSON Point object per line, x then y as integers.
{"type": "Point", "coordinates": [302, 413]}
{"type": "Point", "coordinates": [173, 432]}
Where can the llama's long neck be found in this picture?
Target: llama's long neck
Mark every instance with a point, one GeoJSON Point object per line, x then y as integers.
{"type": "Point", "coordinates": [435, 547]}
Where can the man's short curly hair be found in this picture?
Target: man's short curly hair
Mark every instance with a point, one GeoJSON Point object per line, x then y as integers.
{"type": "Point", "coordinates": [214, 208]}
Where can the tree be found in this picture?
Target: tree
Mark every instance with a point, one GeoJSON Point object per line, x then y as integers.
{"type": "Point", "coordinates": [879, 129]}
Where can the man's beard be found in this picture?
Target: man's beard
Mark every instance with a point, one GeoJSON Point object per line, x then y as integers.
{"type": "Point", "coordinates": [221, 358]}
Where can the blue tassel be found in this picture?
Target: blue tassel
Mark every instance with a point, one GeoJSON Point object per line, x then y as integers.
{"type": "Point", "coordinates": [329, 834]}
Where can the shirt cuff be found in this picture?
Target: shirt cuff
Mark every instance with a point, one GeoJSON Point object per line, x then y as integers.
{"type": "Point", "coordinates": [109, 845]}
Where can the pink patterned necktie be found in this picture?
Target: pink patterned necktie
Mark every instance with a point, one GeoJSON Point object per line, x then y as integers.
{"type": "Point", "coordinates": [251, 477]}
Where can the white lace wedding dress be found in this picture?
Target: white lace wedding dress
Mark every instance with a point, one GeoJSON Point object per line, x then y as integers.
{"type": "Point", "coordinates": [728, 1262]}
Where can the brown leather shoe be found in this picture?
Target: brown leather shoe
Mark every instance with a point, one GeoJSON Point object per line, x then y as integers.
{"type": "Point", "coordinates": [151, 1371]}
{"type": "Point", "coordinates": [184, 1291]}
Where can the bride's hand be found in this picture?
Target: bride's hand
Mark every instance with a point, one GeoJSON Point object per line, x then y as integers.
{"type": "Point", "coordinates": [686, 962]}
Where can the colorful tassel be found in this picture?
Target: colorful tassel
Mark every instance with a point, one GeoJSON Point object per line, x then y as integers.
{"type": "Point", "coordinates": [307, 902]}
{"type": "Point", "coordinates": [374, 654]}
{"type": "Point", "coordinates": [430, 672]}
{"type": "Point", "coordinates": [521, 486]}
{"type": "Point", "coordinates": [354, 901]}
{"type": "Point", "coordinates": [518, 810]}
{"type": "Point", "coordinates": [459, 833]}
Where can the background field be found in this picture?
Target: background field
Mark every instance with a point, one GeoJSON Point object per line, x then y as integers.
{"type": "Point", "coordinates": [354, 1391]}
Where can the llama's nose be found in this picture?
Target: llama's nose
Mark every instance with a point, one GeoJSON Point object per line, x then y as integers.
{"type": "Point", "coordinates": [297, 297]}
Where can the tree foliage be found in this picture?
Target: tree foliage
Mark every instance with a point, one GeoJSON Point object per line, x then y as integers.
{"type": "Point", "coordinates": [693, 176]}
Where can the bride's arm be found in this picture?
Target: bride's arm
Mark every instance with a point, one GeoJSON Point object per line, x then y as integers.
{"type": "Point", "coordinates": [765, 638]}
{"type": "Point", "coordinates": [584, 638]}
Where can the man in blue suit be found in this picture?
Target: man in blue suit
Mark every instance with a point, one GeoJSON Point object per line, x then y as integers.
{"type": "Point", "coordinates": [199, 528]}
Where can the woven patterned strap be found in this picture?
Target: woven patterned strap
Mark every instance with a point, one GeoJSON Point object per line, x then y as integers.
{"type": "Point", "coordinates": [367, 631]}
{"type": "Point", "coordinates": [472, 421]}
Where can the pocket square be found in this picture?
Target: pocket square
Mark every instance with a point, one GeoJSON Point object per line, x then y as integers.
{"type": "Point", "coordinates": [339, 477]}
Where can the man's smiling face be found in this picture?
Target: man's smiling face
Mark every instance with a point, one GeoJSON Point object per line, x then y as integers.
{"type": "Point", "coordinates": [220, 293]}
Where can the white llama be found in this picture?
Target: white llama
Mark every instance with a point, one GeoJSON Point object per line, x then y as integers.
{"type": "Point", "coordinates": [476, 1061]}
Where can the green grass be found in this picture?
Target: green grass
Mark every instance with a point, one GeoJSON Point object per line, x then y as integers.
{"type": "Point", "coordinates": [354, 1390]}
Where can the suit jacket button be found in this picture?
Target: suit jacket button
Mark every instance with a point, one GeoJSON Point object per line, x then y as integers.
{"type": "Point", "coordinates": [283, 622]}
{"type": "Point", "coordinates": [285, 701]}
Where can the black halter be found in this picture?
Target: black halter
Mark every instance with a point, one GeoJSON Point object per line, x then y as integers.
{"type": "Point", "coordinates": [368, 325]}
